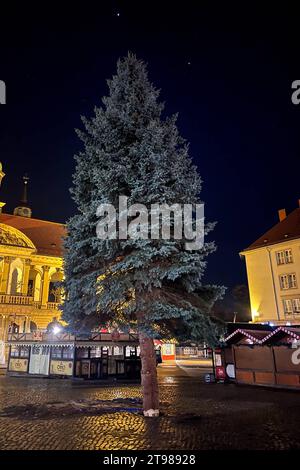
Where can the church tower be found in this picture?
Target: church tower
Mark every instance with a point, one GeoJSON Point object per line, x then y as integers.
{"type": "Point", "coordinates": [23, 209]}
{"type": "Point", "coordinates": [2, 174]}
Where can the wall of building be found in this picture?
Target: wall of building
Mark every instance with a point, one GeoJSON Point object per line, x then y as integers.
{"type": "Point", "coordinates": [29, 298]}
{"type": "Point", "coordinates": [266, 292]}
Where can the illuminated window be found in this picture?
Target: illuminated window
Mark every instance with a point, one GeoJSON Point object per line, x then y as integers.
{"type": "Point", "coordinates": [95, 351]}
{"type": "Point", "coordinates": [130, 351]}
{"type": "Point", "coordinates": [288, 306]}
{"type": "Point", "coordinates": [291, 306]}
{"type": "Point", "coordinates": [296, 305]}
{"type": "Point", "coordinates": [118, 351]}
{"type": "Point", "coordinates": [292, 281]}
{"type": "Point", "coordinates": [288, 281]}
{"type": "Point", "coordinates": [284, 283]}
{"type": "Point", "coordinates": [288, 256]}
{"type": "Point", "coordinates": [280, 257]}
{"type": "Point", "coordinates": [284, 257]}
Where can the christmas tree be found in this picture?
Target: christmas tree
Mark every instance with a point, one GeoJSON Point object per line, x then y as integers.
{"type": "Point", "coordinates": [151, 285]}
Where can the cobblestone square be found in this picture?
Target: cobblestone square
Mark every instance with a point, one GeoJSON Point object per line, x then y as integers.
{"type": "Point", "coordinates": [195, 415]}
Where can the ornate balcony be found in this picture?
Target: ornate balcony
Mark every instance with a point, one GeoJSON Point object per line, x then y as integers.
{"type": "Point", "coordinates": [16, 299]}
{"type": "Point", "coordinates": [52, 305]}
{"type": "Point", "coordinates": [26, 300]}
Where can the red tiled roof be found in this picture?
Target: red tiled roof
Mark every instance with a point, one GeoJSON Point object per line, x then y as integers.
{"type": "Point", "coordinates": [287, 229]}
{"type": "Point", "coordinates": [46, 236]}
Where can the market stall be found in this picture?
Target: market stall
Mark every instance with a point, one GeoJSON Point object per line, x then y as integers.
{"type": "Point", "coordinates": [269, 358]}
{"type": "Point", "coordinates": [62, 355]}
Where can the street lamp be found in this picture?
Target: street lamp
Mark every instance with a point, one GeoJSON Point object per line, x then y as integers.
{"type": "Point", "coordinates": [56, 329]}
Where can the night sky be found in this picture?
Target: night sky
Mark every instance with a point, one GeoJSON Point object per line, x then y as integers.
{"type": "Point", "coordinates": [227, 73]}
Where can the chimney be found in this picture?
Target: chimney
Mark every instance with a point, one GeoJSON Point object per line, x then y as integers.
{"type": "Point", "coordinates": [282, 214]}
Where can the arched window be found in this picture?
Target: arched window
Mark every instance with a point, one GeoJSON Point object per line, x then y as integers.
{"type": "Point", "coordinates": [15, 281]}
{"type": "Point", "coordinates": [35, 284]}
{"type": "Point", "coordinates": [33, 326]}
{"type": "Point", "coordinates": [15, 277]}
{"type": "Point", "coordinates": [54, 287]}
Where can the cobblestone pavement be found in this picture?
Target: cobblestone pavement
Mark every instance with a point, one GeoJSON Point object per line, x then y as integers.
{"type": "Point", "coordinates": [195, 415]}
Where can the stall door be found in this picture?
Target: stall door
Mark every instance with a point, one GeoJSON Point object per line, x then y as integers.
{"type": "Point", "coordinates": [39, 360]}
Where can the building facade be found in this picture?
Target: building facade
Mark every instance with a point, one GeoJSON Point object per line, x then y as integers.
{"type": "Point", "coordinates": [30, 267]}
{"type": "Point", "coordinates": [273, 271]}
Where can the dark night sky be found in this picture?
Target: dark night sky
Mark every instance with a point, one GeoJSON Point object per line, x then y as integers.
{"type": "Point", "coordinates": [227, 73]}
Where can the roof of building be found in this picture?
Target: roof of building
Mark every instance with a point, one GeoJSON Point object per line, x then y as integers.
{"type": "Point", "coordinates": [264, 337]}
{"type": "Point", "coordinates": [46, 236]}
{"type": "Point", "coordinates": [287, 229]}
{"type": "Point", "coordinates": [282, 331]}
{"type": "Point", "coordinates": [255, 337]}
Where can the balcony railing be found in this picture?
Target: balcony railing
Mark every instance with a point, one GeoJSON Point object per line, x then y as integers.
{"type": "Point", "coordinates": [52, 305]}
{"type": "Point", "coordinates": [15, 299]}
{"type": "Point", "coordinates": [25, 300]}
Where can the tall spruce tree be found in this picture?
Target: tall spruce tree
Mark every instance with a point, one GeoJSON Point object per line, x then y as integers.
{"type": "Point", "coordinates": [152, 286]}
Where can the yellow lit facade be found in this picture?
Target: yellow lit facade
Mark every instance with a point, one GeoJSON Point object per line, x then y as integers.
{"type": "Point", "coordinates": [273, 270]}
{"type": "Point", "coordinates": [30, 266]}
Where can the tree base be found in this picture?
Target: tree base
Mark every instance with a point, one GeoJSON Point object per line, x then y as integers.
{"type": "Point", "coordinates": [151, 413]}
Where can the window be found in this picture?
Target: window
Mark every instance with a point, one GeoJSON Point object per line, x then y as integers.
{"type": "Point", "coordinates": [82, 353]}
{"type": "Point", "coordinates": [280, 257]}
{"type": "Point", "coordinates": [24, 351]}
{"type": "Point", "coordinates": [287, 306]}
{"type": "Point", "coordinates": [130, 351]}
{"type": "Point", "coordinates": [288, 256]}
{"type": "Point", "coordinates": [288, 281]}
{"type": "Point", "coordinates": [62, 352]}
{"type": "Point", "coordinates": [67, 353]}
{"type": "Point", "coordinates": [56, 353]}
{"type": "Point", "coordinates": [284, 256]}
{"type": "Point", "coordinates": [291, 306]}
{"type": "Point", "coordinates": [292, 281]}
{"type": "Point", "coordinates": [284, 284]}
{"type": "Point", "coordinates": [296, 305]}
{"type": "Point", "coordinates": [14, 352]}
{"type": "Point", "coordinates": [19, 351]}
{"type": "Point", "coordinates": [95, 351]}
{"type": "Point", "coordinates": [118, 351]}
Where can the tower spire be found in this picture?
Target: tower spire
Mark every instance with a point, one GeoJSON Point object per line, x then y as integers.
{"type": "Point", "coordinates": [23, 209]}
{"type": "Point", "coordinates": [2, 174]}
{"type": "Point", "coordinates": [24, 198]}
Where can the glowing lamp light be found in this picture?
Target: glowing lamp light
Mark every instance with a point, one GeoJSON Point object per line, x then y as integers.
{"type": "Point", "coordinates": [56, 329]}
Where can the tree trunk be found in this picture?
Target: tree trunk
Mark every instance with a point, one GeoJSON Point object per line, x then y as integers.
{"type": "Point", "coordinates": [149, 376]}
